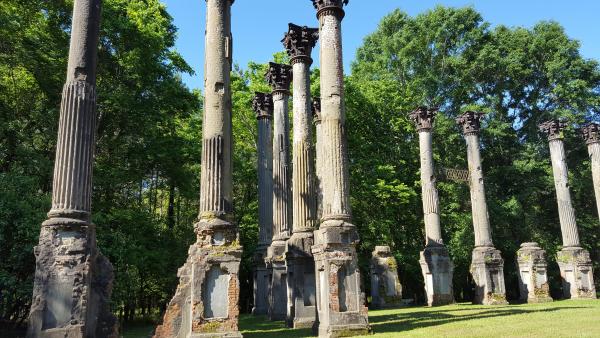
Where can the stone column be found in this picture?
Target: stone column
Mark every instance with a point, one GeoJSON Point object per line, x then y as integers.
{"type": "Point", "coordinates": [436, 264]}
{"type": "Point", "coordinates": [299, 42]}
{"type": "Point", "coordinates": [487, 265]}
{"type": "Point", "coordinates": [533, 277]}
{"type": "Point", "coordinates": [73, 280]}
{"type": "Point", "coordinates": [207, 297]}
{"type": "Point", "coordinates": [591, 134]}
{"type": "Point", "coordinates": [263, 106]}
{"type": "Point", "coordinates": [574, 261]}
{"type": "Point", "coordinates": [279, 77]}
{"type": "Point", "coordinates": [316, 109]}
{"type": "Point", "coordinates": [340, 300]}
{"type": "Point", "coordinates": [386, 290]}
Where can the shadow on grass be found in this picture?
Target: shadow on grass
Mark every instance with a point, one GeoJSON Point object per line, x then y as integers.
{"type": "Point", "coordinates": [414, 320]}
{"type": "Point", "coordinates": [261, 327]}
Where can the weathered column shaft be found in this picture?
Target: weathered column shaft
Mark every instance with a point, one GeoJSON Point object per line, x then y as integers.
{"type": "Point", "coordinates": [72, 185]}
{"type": "Point", "coordinates": [336, 192]}
{"type": "Point", "coordinates": [316, 107]}
{"type": "Point", "coordinates": [481, 221]}
{"type": "Point", "coordinates": [216, 176]}
{"type": "Point", "coordinates": [303, 191]}
{"type": "Point", "coordinates": [264, 110]}
{"type": "Point", "coordinates": [433, 230]}
{"type": "Point", "coordinates": [566, 213]}
{"type": "Point", "coordinates": [594, 152]}
{"type": "Point", "coordinates": [591, 135]}
{"type": "Point", "coordinates": [282, 201]}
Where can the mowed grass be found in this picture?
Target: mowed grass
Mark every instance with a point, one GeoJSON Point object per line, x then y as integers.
{"type": "Point", "coordinates": [558, 319]}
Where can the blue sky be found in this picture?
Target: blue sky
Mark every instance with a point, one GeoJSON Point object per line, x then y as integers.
{"type": "Point", "coordinates": [258, 25]}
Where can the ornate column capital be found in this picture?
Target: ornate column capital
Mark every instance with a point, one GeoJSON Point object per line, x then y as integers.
{"type": "Point", "coordinates": [423, 118]}
{"type": "Point", "coordinates": [591, 133]}
{"type": "Point", "coordinates": [316, 110]}
{"type": "Point", "coordinates": [299, 42]}
{"type": "Point", "coordinates": [553, 128]}
{"type": "Point", "coordinates": [262, 103]}
{"type": "Point", "coordinates": [330, 7]}
{"type": "Point", "coordinates": [471, 122]}
{"type": "Point", "coordinates": [279, 77]}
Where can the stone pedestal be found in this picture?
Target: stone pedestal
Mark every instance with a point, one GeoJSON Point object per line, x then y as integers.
{"type": "Point", "coordinates": [278, 292]}
{"type": "Point", "coordinates": [386, 290]}
{"type": "Point", "coordinates": [533, 278]}
{"type": "Point", "coordinates": [438, 270]}
{"type": "Point", "coordinates": [576, 273]}
{"type": "Point", "coordinates": [487, 268]}
{"type": "Point", "coordinates": [206, 300]}
{"type": "Point", "coordinates": [260, 275]}
{"type": "Point", "coordinates": [73, 280]}
{"type": "Point", "coordinates": [302, 302]}
{"type": "Point", "coordinates": [340, 301]}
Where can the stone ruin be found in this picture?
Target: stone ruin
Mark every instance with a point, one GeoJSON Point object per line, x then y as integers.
{"type": "Point", "coordinates": [533, 277]}
{"type": "Point", "coordinates": [386, 290]}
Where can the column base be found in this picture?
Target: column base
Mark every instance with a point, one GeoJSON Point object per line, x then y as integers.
{"type": "Point", "coordinates": [386, 290]}
{"type": "Point", "coordinates": [438, 270]}
{"type": "Point", "coordinates": [73, 283]}
{"type": "Point", "coordinates": [340, 300]}
{"type": "Point", "coordinates": [576, 273]}
{"type": "Point", "coordinates": [261, 283]}
{"type": "Point", "coordinates": [533, 278]}
{"type": "Point", "coordinates": [275, 262]}
{"type": "Point", "coordinates": [302, 301]}
{"type": "Point", "coordinates": [206, 301]}
{"type": "Point", "coordinates": [487, 268]}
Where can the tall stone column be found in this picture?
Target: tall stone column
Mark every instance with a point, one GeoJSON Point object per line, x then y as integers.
{"type": "Point", "coordinates": [340, 300]}
{"type": "Point", "coordinates": [279, 77]}
{"type": "Point", "coordinates": [591, 134]}
{"type": "Point", "coordinates": [487, 265]}
{"type": "Point", "coordinates": [263, 106]}
{"type": "Point", "coordinates": [299, 42]}
{"type": "Point", "coordinates": [206, 301]}
{"type": "Point", "coordinates": [436, 264]}
{"type": "Point", "coordinates": [574, 261]}
{"type": "Point", "coordinates": [73, 280]}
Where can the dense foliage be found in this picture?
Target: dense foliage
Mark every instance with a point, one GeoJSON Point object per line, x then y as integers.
{"type": "Point", "coordinates": [148, 151]}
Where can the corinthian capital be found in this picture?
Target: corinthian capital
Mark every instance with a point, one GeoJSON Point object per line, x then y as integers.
{"type": "Point", "coordinates": [591, 133]}
{"type": "Point", "coordinates": [335, 7]}
{"type": "Point", "coordinates": [299, 42]}
{"type": "Point", "coordinates": [553, 128]}
{"type": "Point", "coordinates": [279, 76]}
{"type": "Point", "coordinates": [263, 105]}
{"type": "Point", "coordinates": [471, 122]}
{"type": "Point", "coordinates": [423, 118]}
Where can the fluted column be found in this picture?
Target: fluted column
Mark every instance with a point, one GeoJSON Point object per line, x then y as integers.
{"type": "Point", "coordinates": [216, 177]}
{"type": "Point", "coordinates": [566, 212]}
{"type": "Point", "coordinates": [279, 77]}
{"type": "Point", "coordinates": [72, 280]}
{"type": "Point", "coordinates": [423, 118]}
{"type": "Point", "coordinates": [263, 106]}
{"type": "Point", "coordinates": [316, 109]}
{"type": "Point", "coordinates": [470, 122]}
{"type": "Point", "coordinates": [591, 134]}
{"type": "Point", "coordinates": [340, 300]}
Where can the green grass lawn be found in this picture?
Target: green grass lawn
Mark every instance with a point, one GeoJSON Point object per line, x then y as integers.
{"type": "Point", "coordinates": [557, 319]}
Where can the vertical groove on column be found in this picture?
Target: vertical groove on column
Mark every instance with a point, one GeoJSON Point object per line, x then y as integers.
{"type": "Point", "coordinates": [303, 188]}
{"type": "Point", "coordinates": [211, 196]}
{"type": "Point", "coordinates": [72, 171]}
